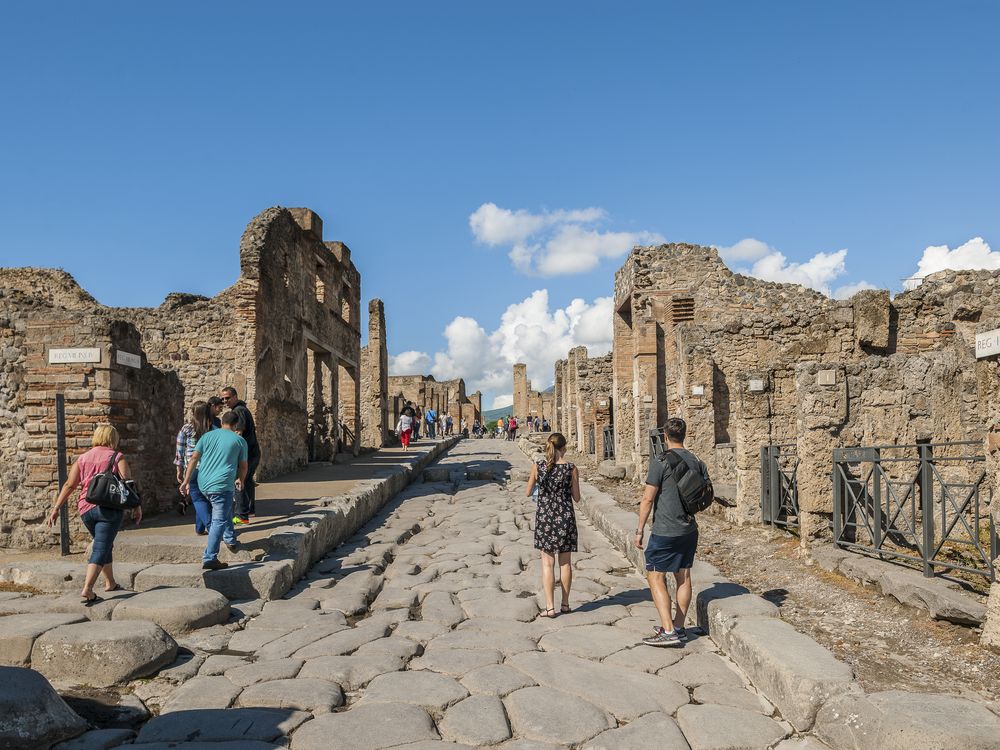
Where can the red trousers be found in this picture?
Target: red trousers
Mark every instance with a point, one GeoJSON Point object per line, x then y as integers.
{"type": "Point", "coordinates": [404, 436]}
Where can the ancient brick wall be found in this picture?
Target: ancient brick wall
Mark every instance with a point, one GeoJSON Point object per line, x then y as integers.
{"type": "Point", "coordinates": [445, 397]}
{"type": "Point", "coordinates": [375, 380]}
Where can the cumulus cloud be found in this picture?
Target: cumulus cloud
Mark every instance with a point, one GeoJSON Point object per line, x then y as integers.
{"type": "Point", "coordinates": [553, 243]}
{"type": "Point", "coordinates": [502, 401]}
{"type": "Point", "coordinates": [849, 290]}
{"type": "Point", "coordinates": [409, 363]}
{"type": "Point", "coordinates": [768, 263]}
{"type": "Point", "coordinates": [528, 331]}
{"type": "Point", "coordinates": [974, 254]}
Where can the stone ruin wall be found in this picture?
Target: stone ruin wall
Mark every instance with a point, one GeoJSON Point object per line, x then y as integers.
{"type": "Point", "coordinates": [375, 380]}
{"type": "Point", "coordinates": [445, 397]}
{"type": "Point", "coordinates": [690, 336]}
{"type": "Point", "coordinates": [583, 395]}
{"type": "Point", "coordinates": [286, 335]}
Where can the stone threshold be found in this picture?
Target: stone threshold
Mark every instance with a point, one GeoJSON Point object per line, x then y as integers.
{"type": "Point", "coordinates": [813, 690]}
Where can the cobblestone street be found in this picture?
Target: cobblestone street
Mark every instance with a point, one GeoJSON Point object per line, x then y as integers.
{"type": "Point", "coordinates": [426, 628]}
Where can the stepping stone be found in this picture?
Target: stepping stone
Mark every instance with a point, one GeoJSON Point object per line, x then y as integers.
{"type": "Point", "coordinates": [547, 715]}
{"type": "Point", "coordinates": [455, 661]}
{"type": "Point", "coordinates": [102, 654]}
{"type": "Point", "coordinates": [702, 669]}
{"type": "Point", "coordinates": [342, 642]}
{"type": "Point", "coordinates": [264, 671]}
{"type": "Point", "coordinates": [366, 728]}
{"type": "Point", "coordinates": [70, 604]}
{"type": "Point", "coordinates": [175, 610]}
{"type": "Point", "coordinates": [18, 634]}
{"type": "Point", "coordinates": [625, 694]}
{"type": "Point", "coordinates": [649, 731]}
{"type": "Point", "coordinates": [430, 691]}
{"type": "Point", "coordinates": [496, 679]}
{"type": "Point", "coordinates": [301, 693]}
{"type": "Point", "coordinates": [588, 641]}
{"type": "Point", "coordinates": [201, 693]}
{"type": "Point", "coordinates": [726, 695]}
{"type": "Point", "coordinates": [709, 727]}
{"type": "Point", "coordinates": [502, 606]}
{"type": "Point", "coordinates": [351, 672]}
{"type": "Point", "coordinates": [153, 549]}
{"type": "Point", "coordinates": [31, 712]}
{"type": "Point", "coordinates": [221, 725]}
{"type": "Point", "coordinates": [478, 720]}
{"type": "Point", "coordinates": [98, 739]}
{"type": "Point", "coordinates": [255, 580]}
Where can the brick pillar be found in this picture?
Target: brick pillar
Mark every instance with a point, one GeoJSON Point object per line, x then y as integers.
{"type": "Point", "coordinates": [520, 390]}
{"type": "Point", "coordinates": [375, 380]}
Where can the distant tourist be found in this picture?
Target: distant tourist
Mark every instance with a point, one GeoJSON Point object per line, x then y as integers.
{"type": "Point", "coordinates": [501, 427]}
{"type": "Point", "coordinates": [555, 521]}
{"type": "Point", "coordinates": [538, 424]}
{"type": "Point", "coordinates": [418, 416]}
{"type": "Point", "coordinates": [546, 426]}
{"type": "Point", "coordinates": [442, 425]}
{"type": "Point", "coordinates": [187, 438]}
{"type": "Point", "coordinates": [512, 428]}
{"type": "Point", "coordinates": [674, 534]}
{"type": "Point", "coordinates": [246, 501]}
{"type": "Point", "coordinates": [220, 458]}
{"type": "Point", "coordinates": [102, 523]}
{"type": "Point", "coordinates": [430, 417]}
{"type": "Point", "coordinates": [405, 427]}
{"type": "Point", "coordinates": [449, 425]}
{"type": "Point", "coordinates": [477, 428]}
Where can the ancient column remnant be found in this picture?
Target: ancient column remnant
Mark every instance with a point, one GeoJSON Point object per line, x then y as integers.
{"type": "Point", "coordinates": [375, 380]}
{"type": "Point", "coordinates": [520, 405]}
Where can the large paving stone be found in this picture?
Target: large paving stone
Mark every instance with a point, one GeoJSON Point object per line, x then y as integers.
{"type": "Point", "coordinates": [70, 604]}
{"type": "Point", "coordinates": [351, 672]}
{"type": "Point", "coordinates": [256, 580]}
{"type": "Point", "coordinates": [265, 671]}
{"type": "Point", "coordinates": [420, 632]}
{"type": "Point", "coordinates": [455, 661]}
{"type": "Point", "coordinates": [175, 610]}
{"type": "Point", "coordinates": [286, 645]}
{"type": "Point", "coordinates": [502, 606]}
{"type": "Point", "coordinates": [201, 693]}
{"type": "Point", "coordinates": [478, 720]}
{"type": "Point", "coordinates": [394, 645]}
{"type": "Point", "coordinates": [897, 720]}
{"type": "Point", "coordinates": [654, 730]}
{"type": "Point", "coordinates": [344, 641]}
{"type": "Point", "coordinates": [727, 695]}
{"type": "Point", "coordinates": [102, 653]}
{"type": "Point", "coordinates": [711, 727]}
{"type": "Point", "coordinates": [790, 669]}
{"type": "Point", "coordinates": [18, 634]}
{"type": "Point", "coordinates": [439, 606]}
{"type": "Point", "coordinates": [588, 641]}
{"type": "Point", "coordinates": [702, 669]}
{"type": "Point", "coordinates": [624, 693]}
{"type": "Point", "coordinates": [302, 693]}
{"type": "Point", "coordinates": [221, 725]}
{"type": "Point", "coordinates": [31, 712]}
{"type": "Point", "coordinates": [198, 745]}
{"type": "Point", "coordinates": [430, 691]}
{"type": "Point", "coordinates": [646, 659]}
{"type": "Point", "coordinates": [508, 645]}
{"type": "Point", "coordinates": [496, 679]}
{"type": "Point", "coordinates": [364, 727]}
{"type": "Point", "coordinates": [548, 715]}
{"type": "Point", "coordinates": [97, 739]}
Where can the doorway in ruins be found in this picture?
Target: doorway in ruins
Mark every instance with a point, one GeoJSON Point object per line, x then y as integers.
{"type": "Point", "coordinates": [348, 407]}
{"type": "Point", "coordinates": [321, 404]}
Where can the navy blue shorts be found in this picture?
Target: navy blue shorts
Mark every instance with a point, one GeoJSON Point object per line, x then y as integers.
{"type": "Point", "coordinates": [669, 554]}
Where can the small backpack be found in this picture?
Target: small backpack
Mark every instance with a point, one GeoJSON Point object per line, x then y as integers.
{"type": "Point", "coordinates": [694, 489]}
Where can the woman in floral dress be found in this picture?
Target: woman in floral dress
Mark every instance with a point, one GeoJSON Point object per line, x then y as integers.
{"type": "Point", "coordinates": [558, 485]}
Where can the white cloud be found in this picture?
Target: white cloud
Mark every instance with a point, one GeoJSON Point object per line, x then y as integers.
{"type": "Point", "coordinates": [553, 243]}
{"type": "Point", "coordinates": [849, 290]}
{"type": "Point", "coordinates": [974, 254]}
{"type": "Point", "coordinates": [409, 363]}
{"type": "Point", "coordinates": [528, 331]}
{"type": "Point", "coordinates": [745, 250]}
{"type": "Point", "coordinates": [502, 401]}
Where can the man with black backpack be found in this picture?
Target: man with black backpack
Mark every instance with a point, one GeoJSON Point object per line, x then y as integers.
{"type": "Point", "coordinates": [677, 487]}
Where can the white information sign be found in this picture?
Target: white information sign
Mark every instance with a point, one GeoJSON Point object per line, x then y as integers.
{"type": "Point", "coordinates": [826, 377]}
{"type": "Point", "coordinates": [697, 390]}
{"type": "Point", "coordinates": [756, 385]}
{"type": "Point", "coordinates": [73, 356]}
{"type": "Point", "coordinates": [128, 359]}
{"type": "Point", "coordinates": [988, 344]}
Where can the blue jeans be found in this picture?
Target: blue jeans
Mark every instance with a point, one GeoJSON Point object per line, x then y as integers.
{"type": "Point", "coordinates": [430, 430]}
{"type": "Point", "coordinates": [103, 525]}
{"type": "Point", "coordinates": [221, 528]}
{"type": "Point", "coordinates": [202, 508]}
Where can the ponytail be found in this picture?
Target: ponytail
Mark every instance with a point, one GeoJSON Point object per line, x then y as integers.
{"type": "Point", "coordinates": [555, 443]}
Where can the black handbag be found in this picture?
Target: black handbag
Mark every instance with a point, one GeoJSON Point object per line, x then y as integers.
{"type": "Point", "coordinates": [108, 490]}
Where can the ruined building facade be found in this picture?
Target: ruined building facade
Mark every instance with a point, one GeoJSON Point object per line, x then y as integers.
{"type": "Point", "coordinates": [749, 363]}
{"type": "Point", "coordinates": [529, 404]}
{"type": "Point", "coordinates": [285, 335]}
{"type": "Point", "coordinates": [445, 397]}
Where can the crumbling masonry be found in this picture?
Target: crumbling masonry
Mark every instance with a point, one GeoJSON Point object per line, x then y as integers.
{"type": "Point", "coordinates": [529, 404]}
{"type": "Point", "coordinates": [445, 397]}
{"type": "Point", "coordinates": [286, 335]}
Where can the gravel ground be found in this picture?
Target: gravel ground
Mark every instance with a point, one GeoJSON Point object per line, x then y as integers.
{"type": "Point", "coordinates": [890, 646]}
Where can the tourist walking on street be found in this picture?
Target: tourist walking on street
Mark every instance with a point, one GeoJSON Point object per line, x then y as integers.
{"type": "Point", "coordinates": [246, 500]}
{"type": "Point", "coordinates": [449, 425]}
{"type": "Point", "coordinates": [418, 416]}
{"type": "Point", "coordinates": [404, 427]}
{"type": "Point", "coordinates": [220, 458]}
{"type": "Point", "coordinates": [102, 523]}
{"type": "Point", "coordinates": [430, 416]}
{"type": "Point", "coordinates": [512, 428]}
{"type": "Point", "coordinates": [558, 484]}
{"type": "Point", "coordinates": [187, 438]}
{"type": "Point", "coordinates": [674, 535]}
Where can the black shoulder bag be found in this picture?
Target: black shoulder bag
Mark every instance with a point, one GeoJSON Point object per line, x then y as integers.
{"type": "Point", "coordinates": [693, 488]}
{"type": "Point", "coordinates": [108, 490]}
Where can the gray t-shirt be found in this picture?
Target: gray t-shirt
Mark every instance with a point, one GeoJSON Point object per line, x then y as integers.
{"type": "Point", "coordinates": [669, 518]}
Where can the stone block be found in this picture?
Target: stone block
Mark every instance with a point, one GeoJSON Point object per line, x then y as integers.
{"type": "Point", "coordinates": [237, 725]}
{"type": "Point", "coordinates": [97, 739]}
{"type": "Point", "coordinates": [256, 580]}
{"type": "Point", "coordinates": [375, 726]}
{"type": "Point", "coordinates": [18, 634]}
{"type": "Point", "coordinates": [611, 470]}
{"type": "Point", "coordinates": [31, 712]}
{"type": "Point", "coordinates": [710, 727]}
{"type": "Point", "coordinates": [790, 669]}
{"type": "Point", "coordinates": [176, 610]}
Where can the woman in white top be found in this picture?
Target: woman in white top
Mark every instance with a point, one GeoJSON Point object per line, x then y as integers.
{"type": "Point", "coordinates": [404, 428]}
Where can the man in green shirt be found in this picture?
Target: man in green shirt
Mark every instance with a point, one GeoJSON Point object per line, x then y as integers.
{"type": "Point", "coordinates": [220, 457]}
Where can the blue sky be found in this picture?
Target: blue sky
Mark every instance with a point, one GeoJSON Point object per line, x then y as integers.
{"type": "Point", "coordinates": [139, 139]}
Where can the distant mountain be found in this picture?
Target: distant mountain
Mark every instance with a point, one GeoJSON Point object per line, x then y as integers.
{"type": "Point", "coordinates": [494, 414]}
{"type": "Point", "coordinates": [550, 389]}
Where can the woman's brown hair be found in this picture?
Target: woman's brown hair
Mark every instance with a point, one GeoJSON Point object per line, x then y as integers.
{"type": "Point", "coordinates": [556, 442]}
{"type": "Point", "coordinates": [200, 418]}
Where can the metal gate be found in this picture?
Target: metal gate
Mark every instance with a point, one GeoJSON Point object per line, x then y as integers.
{"type": "Point", "coordinates": [927, 503]}
{"type": "Point", "coordinates": [609, 442]}
{"type": "Point", "coordinates": [591, 441]}
{"type": "Point", "coordinates": [779, 487]}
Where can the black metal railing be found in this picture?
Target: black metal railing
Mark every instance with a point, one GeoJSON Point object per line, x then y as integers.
{"type": "Point", "coordinates": [657, 441]}
{"type": "Point", "coordinates": [591, 440]}
{"type": "Point", "coordinates": [779, 486]}
{"type": "Point", "coordinates": [609, 442]}
{"type": "Point", "coordinates": [926, 503]}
